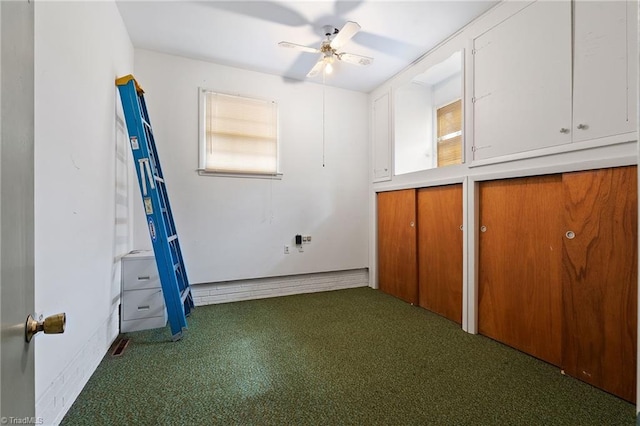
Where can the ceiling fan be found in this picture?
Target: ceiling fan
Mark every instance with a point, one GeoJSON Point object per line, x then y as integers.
{"type": "Point", "coordinates": [329, 48]}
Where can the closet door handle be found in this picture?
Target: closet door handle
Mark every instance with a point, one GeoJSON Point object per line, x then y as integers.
{"type": "Point", "coordinates": [583, 126]}
{"type": "Point", "coordinates": [564, 130]}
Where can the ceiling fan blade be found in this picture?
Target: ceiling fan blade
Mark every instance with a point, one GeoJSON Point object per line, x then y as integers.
{"type": "Point", "coordinates": [344, 35]}
{"type": "Point", "coordinates": [355, 59]}
{"type": "Point", "coordinates": [316, 68]}
{"type": "Point", "coordinates": [298, 47]}
{"type": "Point", "coordinates": [269, 11]}
{"type": "Point", "coordinates": [343, 7]}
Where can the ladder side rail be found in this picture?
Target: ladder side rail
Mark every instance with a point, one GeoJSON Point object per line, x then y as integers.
{"type": "Point", "coordinates": [183, 281]}
{"type": "Point", "coordinates": [171, 227]}
{"type": "Point", "coordinates": [152, 145]}
{"type": "Point", "coordinates": [153, 153]}
{"type": "Point", "coordinates": [168, 211]}
{"type": "Point", "coordinates": [149, 190]}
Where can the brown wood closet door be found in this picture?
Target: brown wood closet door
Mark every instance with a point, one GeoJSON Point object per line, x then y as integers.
{"type": "Point", "coordinates": [600, 278]}
{"type": "Point", "coordinates": [440, 250]}
{"type": "Point", "coordinates": [520, 278]}
{"type": "Point", "coordinates": [397, 258]}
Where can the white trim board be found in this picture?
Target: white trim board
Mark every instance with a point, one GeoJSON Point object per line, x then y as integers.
{"type": "Point", "coordinates": [260, 288]}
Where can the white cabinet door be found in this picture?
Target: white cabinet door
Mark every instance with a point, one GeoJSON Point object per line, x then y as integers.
{"type": "Point", "coordinates": [604, 76]}
{"type": "Point", "coordinates": [381, 139]}
{"type": "Point", "coordinates": [522, 82]}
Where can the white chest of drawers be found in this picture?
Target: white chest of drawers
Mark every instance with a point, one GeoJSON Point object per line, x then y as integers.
{"type": "Point", "coordinates": [142, 303]}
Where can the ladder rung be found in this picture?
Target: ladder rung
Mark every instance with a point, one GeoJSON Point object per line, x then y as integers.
{"type": "Point", "coordinates": [158, 178]}
{"type": "Point", "coordinates": [185, 294]}
{"type": "Point", "coordinates": [146, 123]}
{"type": "Point", "coordinates": [172, 238]}
{"type": "Point", "coordinates": [176, 266]}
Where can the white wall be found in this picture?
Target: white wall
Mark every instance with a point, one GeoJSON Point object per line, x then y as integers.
{"type": "Point", "coordinates": [236, 228]}
{"type": "Point", "coordinates": [413, 128]}
{"type": "Point", "coordinates": [80, 192]}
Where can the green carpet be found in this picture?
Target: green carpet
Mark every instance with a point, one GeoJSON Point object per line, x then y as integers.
{"type": "Point", "coordinates": [354, 356]}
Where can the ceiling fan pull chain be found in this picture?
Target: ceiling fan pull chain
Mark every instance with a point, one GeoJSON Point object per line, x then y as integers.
{"type": "Point", "coordinates": [323, 113]}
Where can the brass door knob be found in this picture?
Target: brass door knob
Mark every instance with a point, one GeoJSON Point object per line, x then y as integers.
{"type": "Point", "coordinates": [53, 324]}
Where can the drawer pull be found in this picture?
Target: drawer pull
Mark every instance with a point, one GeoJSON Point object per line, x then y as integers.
{"type": "Point", "coordinates": [143, 308]}
{"type": "Point", "coordinates": [144, 278]}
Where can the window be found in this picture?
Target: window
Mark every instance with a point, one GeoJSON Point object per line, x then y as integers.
{"type": "Point", "coordinates": [449, 121]}
{"type": "Point", "coordinates": [238, 135]}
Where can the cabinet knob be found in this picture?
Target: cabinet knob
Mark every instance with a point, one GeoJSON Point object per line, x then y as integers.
{"type": "Point", "coordinates": [583, 126]}
{"type": "Point", "coordinates": [483, 228]}
{"type": "Point", "coordinates": [412, 224]}
{"type": "Point", "coordinates": [461, 227]}
{"type": "Point", "coordinates": [570, 235]}
{"type": "Point", "coordinates": [564, 130]}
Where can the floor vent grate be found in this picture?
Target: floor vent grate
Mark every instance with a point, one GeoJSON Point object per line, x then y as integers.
{"type": "Point", "coordinates": [120, 346]}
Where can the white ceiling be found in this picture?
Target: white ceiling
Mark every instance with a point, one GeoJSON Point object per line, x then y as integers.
{"type": "Point", "coordinates": [245, 34]}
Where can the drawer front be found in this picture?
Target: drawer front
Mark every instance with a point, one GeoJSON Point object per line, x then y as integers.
{"type": "Point", "coordinates": [139, 274]}
{"type": "Point", "coordinates": [145, 303]}
{"type": "Point", "coordinates": [142, 324]}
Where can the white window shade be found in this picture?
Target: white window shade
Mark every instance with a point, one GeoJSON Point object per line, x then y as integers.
{"type": "Point", "coordinates": [238, 135]}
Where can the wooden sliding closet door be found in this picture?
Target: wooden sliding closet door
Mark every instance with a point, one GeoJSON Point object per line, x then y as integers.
{"type": "Point", "coordinates": [600, 278]}
{"type": "Point", "coordinates": [397, 258]}
{"type": "Point", "coordinates": [520, 277]}
{"type": "Point", "coordinates": [440, 250]}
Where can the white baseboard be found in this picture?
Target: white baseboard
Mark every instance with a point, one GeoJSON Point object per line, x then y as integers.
{"type": "Point", "coordinates": [56, 400]}
{"type": "Point", "coordinates": [260, 288]}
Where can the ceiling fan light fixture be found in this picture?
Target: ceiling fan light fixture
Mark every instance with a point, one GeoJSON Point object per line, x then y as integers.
{"type": "Point", "coordinates": [329, 49]}
{"type": "Point", "coordinates": [328, 60]}
{"type": "Point", "coordinates": [328, 68]}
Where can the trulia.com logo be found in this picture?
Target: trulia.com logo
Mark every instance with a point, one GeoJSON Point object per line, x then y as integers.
{"type": "Point", "coordinates": [21, 420]}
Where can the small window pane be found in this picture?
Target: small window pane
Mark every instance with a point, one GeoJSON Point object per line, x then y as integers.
{"type": "Point", "coordinates": [241, 134]}
{"type": "Point", "coordinates": [449, 132]}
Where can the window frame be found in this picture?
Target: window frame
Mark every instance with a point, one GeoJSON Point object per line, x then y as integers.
{"type": "Point", "coordinates": [202, 139]}
{"type": "Point", "coordinates": [459, 133]}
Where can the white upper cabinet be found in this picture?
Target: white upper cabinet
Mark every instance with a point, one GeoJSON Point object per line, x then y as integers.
{"type": "Point", "coordinates": [541, 81]}
{"type": "Point", "coordinates": [605, 68]}
{"type": "Point", "coordinates": [522, 82]}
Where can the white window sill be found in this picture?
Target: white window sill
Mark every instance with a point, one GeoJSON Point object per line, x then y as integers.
{"type": "Point", "coordinates": [276, 176]}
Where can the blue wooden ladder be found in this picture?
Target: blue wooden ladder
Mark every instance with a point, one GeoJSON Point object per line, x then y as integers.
{"type": "Point", "coordinates": [162, 229]}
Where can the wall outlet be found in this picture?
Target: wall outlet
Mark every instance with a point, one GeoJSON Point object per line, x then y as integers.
{"type": "Point", "coordinates": [286, 249]}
